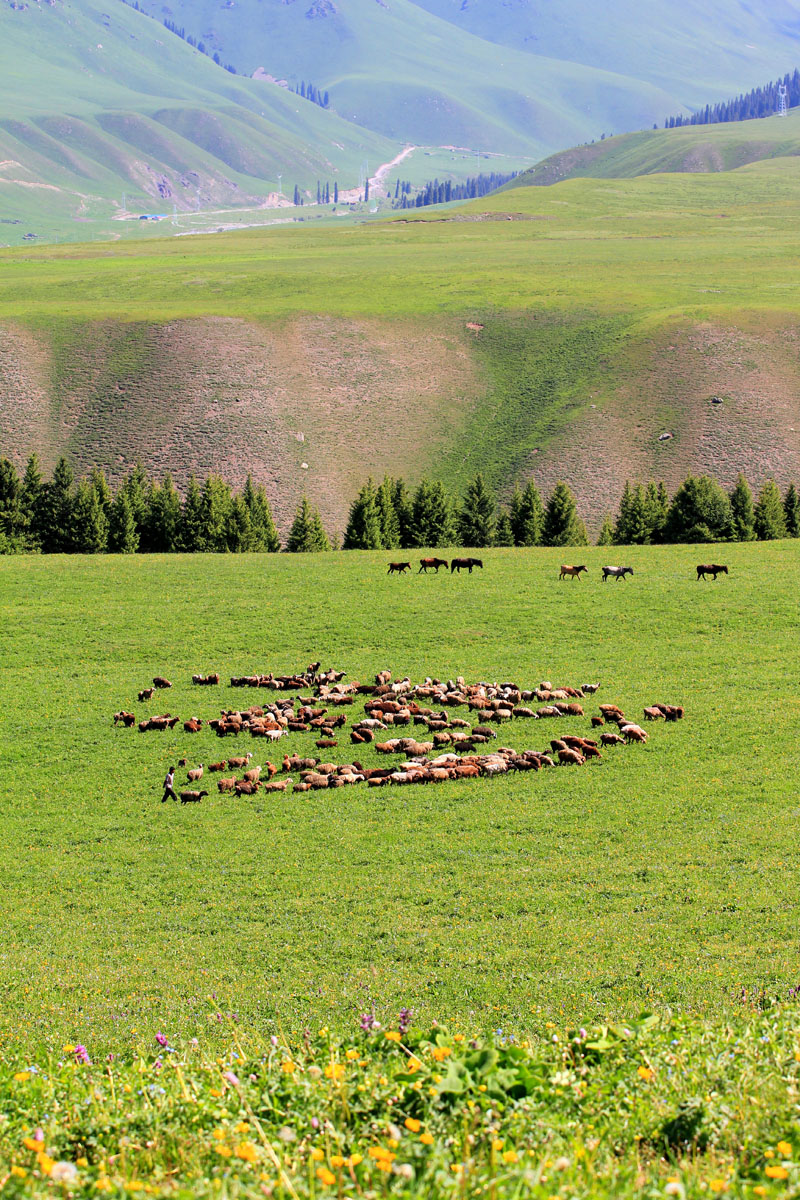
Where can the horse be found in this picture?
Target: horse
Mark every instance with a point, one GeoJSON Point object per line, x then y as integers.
{"type": "Point", "coordinates": [398, 567]}
{"type": "Point", "coordinates": [467, 563]}
{"type": "Point", "coordinates": [435, 563]}
{"type": "Point", "coordinates": [713, 569]}
{"type": "Point", "coordinates": [617, 572]}
{"type": "Point", "coordinates": [573, 571]}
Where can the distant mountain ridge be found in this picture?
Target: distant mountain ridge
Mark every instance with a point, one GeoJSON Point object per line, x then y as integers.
{"type": "Point", "coordinates": [696, 51]}
{"type": "Point", "coordinates": [100, 105]}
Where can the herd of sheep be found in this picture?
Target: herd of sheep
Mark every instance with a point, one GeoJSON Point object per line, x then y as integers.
{"type": "Point", "coordinates": [451, 747]}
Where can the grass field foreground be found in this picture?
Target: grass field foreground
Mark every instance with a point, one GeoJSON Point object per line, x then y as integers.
{"type": "Point", "coordinates": [661, 876]}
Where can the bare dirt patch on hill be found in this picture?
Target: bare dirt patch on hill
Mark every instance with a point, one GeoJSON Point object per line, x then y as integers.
{"type": "Point", "coordinates": [344, 397]}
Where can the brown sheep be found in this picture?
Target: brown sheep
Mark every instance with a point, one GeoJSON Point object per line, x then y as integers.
{"type": "Point", "coordinates": [612, 739]}
{"type": "Point", "coordinates": [570, 758]}
{"type": "Point", "coordinates": [301, 787]}
{"type": "Point", "coordinates": [277, 785]}
{"type": "Point", "coordinates": [195, 774]}
{"type": "Point", "coordinates": [146, 694]}
{"type": "Point", "coordinates": [326, 743]}
{"type": "Point", "coordinates": [126, 718]}
{"type": "Point", "coordinates": [633, 733]}
{"type": "Point", "coordinates": [193, 725]}
{"type": "Point", "coordinates": [653, 713]}
{"type": "Point", "coordinates": [192, 797]}
{"type": "Point", "coordinates": [220, 766]}
{"type": "Point", "coordinates": [252, 775]}
{"type": "Point", "coordinates": [236, 764]}
{"type": "Point", "coordinates": [160, 682]}
{"type": "Point", "coordinates": [246, 787]}
{"type": "Point", "coordinates": [597, 722]}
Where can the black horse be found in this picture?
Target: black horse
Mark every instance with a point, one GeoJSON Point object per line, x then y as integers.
{"type": "Point", "coordinates": [713, 569]}
{"type": "Point", "coordinates": [467, 563]}
{"type": "Point", "coordinates": [617, 572]}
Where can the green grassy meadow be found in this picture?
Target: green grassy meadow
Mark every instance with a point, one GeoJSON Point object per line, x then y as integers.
{"type": "Point", "coordinates": [661, 878]}
{"type": "Point", "coordinates": [710, 245]}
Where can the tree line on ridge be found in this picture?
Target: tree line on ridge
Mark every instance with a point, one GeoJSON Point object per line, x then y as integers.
{"type": "Point", "coordinates": [63, 515]}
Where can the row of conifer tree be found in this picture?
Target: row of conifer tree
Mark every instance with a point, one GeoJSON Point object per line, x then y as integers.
{"type": "Point", "coordinates": [65, 515]}
{"type": "Point", "coordinates": [760, 102]}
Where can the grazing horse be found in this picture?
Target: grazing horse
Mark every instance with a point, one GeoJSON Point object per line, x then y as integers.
{"type": "Point", "coordinates": [398, 567]}
{"type": "Point", "coordinates": [713, 569]}
{"type": "Point", "coordinates": [435, 563]}
{"type": "Point", "coordinates": [467, 563]}
{"type": "Point", "coordinates": [617, 572]}
{"type": "Point", "coordinates": [573, 571]}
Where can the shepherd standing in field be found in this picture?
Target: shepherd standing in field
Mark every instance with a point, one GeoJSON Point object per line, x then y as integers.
{"type": "Point", "coordinates": [168, 789]}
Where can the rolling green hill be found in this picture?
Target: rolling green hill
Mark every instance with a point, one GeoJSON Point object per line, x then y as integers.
{"type": "Point", "coordinates": [97, 102]}
{"type": "Point", "coordinates": [556, 331]}
{"type": "Point", "coordinates": [502, 76]}
{"type": "Point", "coordinates": [694, 148]}
{"type": "Point", "coordinates": [698, 50]}
{"type": "Point", "coordinates": [412, 76]}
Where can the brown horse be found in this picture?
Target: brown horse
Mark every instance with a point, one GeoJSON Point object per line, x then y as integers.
{"type": "Point", "coordinates": [466, 563]}
{"type": "Point", "coordinates": [713, 569]}
{"type": "Point", "coordinates": [435, 563]}
{"type": "Point", "coordinates": [398, 567]}
{"type": "Point", "coordinates": [573, 571]}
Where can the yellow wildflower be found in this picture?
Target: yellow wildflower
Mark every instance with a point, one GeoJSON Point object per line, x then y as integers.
{"type": "Point", "coordinates": [440, 1053]}
{"type": "Point", "coordinates": [413, 1124]}
{"type": "Point", "coordinates": [68, 1049]}
{"type": "Point", "coordinates": [225, 1151]}
{"type": "Point", "coordinates": [426, 1139]}
{"type": "Point", "coordinates": [20, 1172]}
{"type": "Point", "coordinates": [325, 1176]}
{"type": "Point", "coordinates": [22, 1076]}
{"type": "Point", "coordinates": [288, 1067]}
{"type": "Point", "coordinates": [510, 1156]}
{"type": "Point", "coordinates": [247, 1152]}
{"type": "Point", "coordinates": [760, 1190]}
{"type": "Point", "coordinates": [384, 1164]}
{"type": "Point", "coordinates": [380, 1152]}
{"type": "Point", "coordinates": [458, 1037]}
{"type": "Point", "coordinates": [35, 1144]}
{"type": "Point", "coordinates": [219, 1134]}
{"type": "Point", "coordinates": [355, 1159]}
{"type": "Point", "coordinates": [317, 1154]}
{"type": "Point", "coordinates": [352, 1054]}
{"type": "Point", "coordinates": [497, 1144]}
{"type": "Point", "coordinates": [242, 1127]}
{"type": "Point", "coordinates": [776, 1172]}
{"type": "Point", "coordinates": [646, 1073]}
{"type": "Point", "coordinates": [215, 1092]}
{"type": "Point", "coordinates": [413, 1065]}
{"type": "Point", "coordinates": [337, 1160]}
{"type": "Point", "coordinates": [81, 1162]}
{"type": "Point", "coordinates": [46, 1163]}
{"type": "Point", "coordinates": [335, 1071]}
{"type": "Point", "coordinates": [392, 1035]}
{"type": "Point", "coordinates": [103, 1184]}
{"type": "Point", "coordinates": [717, 1185]}
{"type": "Point", "coordinates": [785, 1149]}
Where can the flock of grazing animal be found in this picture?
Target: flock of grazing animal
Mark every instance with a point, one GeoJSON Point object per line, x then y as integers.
{"type": "Point", "coordinates": [451, 747]}
{"type": "Point", "coordinates": [568, 571]}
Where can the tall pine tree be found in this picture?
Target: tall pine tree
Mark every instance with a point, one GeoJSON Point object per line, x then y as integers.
{"type": "Point", "coordinates": [477, 516]}
{"type": "Point", "coordinates": [307, 534]}
{"type": "Point", "coordinates": [562, 525]}
{"type": "Point", "coordinates": [743, 511]}
{"type": "Point", "coordinates": [364, 530]}
{"type": "Point", "coordinates": [770, 519]}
